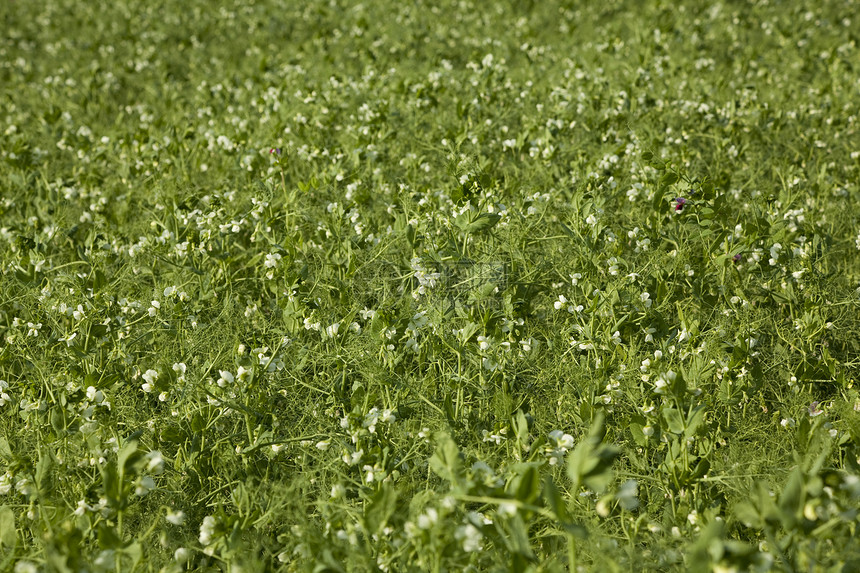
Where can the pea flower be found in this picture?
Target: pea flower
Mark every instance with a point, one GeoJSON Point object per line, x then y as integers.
{"type": "Point", "coordinates": [176, 517]}
{"type": "Point", "coordinates": [150, 377]}
{"type": "Point", "coordinates": [144, 486]}
{"type": "Point", "coordinates": [226, 378]}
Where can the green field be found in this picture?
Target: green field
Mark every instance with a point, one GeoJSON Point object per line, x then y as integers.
{"type": "Point", "coordinates": [418, 285]}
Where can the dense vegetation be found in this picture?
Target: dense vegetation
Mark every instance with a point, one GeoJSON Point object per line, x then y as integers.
{"type": "Point", "coordinates": [429, 286]}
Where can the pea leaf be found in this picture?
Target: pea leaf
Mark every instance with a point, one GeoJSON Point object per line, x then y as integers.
{"type": "Point", "coordinates": [380, 508]}
{"type": "Point", "coordinates": [590, 462]}
{"type": "Point", "coordinates": [482, 222]}
{"type": "Point", "coordinates": [446, 462]}
{"type": "Point", "coordinates": [674, 421]}
{"type": "Point", "coordinates": [8, 535]}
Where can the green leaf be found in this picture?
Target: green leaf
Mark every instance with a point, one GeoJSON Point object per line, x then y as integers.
{"type": "Point", "coordinates": [8, 534]}
{"type": "Point", "coordinates": [5, 450]}
{"type": "Point", "coordinates": [590, 462]}
{"type": "Point", "coordinates": [172, 434]}
{"type": "Point", "coordinates": [694, 420]}
{"type": "Point", "coordinates": [135, 551]}
{"type": "Point", "coordinates": [517, 537]}
{"type": "Point", "coordinates": [127, 456]}
{"type": "Point", "coordinates": [747, 514]}
{"type": "Point", "coordinates": [701, 468]}
{"type": "Point", "coordinates": [708, 546]}
{"type": "Point", "coordinates": [446, 462]}
{"type": "Point", "coordinates": [482, 222]}
{"type": "Point", "coordinates": [791, 500]}
{"type": "Point", "coordinates": [553, 499]}
{"type": "Point", "coordinates": [669, 178]}
{"type": "Point", "coordinates": [638, 435]}
{"type": "Point", "coordinates": [528, 488]}
{"type": "Point", "coordinates": [521, 427]}
{"type": "Point", "coordinates": [198, 423]}
{"type": "Point", "coordinates": [410, 235]}
{"type": "Point", "coordinates": [380, 509]}
{"type": "Point", "coordinates": [59, 419]}
{"type": "Point", "coordinates": [674, 421]}
{"type": "Point", "coordinates": [43, 473]}
{"type": "Point", "coordinates": [108, 538]}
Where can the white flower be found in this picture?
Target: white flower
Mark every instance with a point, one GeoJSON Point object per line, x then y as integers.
{"type": "Point", "coordinates": [562, 441]}
{"type": "Point", "coordinates": [175, 517]}
{"type": "Point", "coordinates": [371, 473]}
{"type": "Point", "coordinates": [182, 555]}
{"type": "Point", "coordinates": [226, 378]}
{"type": "Point", "coordinates": [144, 486]}
{"type": "Point", "coordinates": [272, 260]}
{"type": "Point", "coordinates": [150, 376]}
{"type": "Point", "coordinates": [353, 458]}
{"type": "Point", "coordinates": [26, 567]}
{"type": "Point", "coordinates": [331, 330]}
{"type": "Point", "coordinates": [69, 340]}
{"type": "Point", "coordinates": [427, 519]}
{"type": "Point", "coordinates": [627, 495]}
{"type": "Point", "coordinates": [508, 509]}
{"type": "Point", "coordinates": [470, 536]}
{"type": "Point", "coordinates": [168, 292]}
{"type": "Point", "coordinates": [207, 530]}
{"type": "Point", "coordinates": [94, 395]}
{"type": "Point", "coordinates": [82, 508]}
{"type": "Point", "coordinates": [33, 329]}
{"type": "Point", "coordinates": [155, 465]}
{"type": "Point", "coordinates": [5, 483]}
{"type": "Point", "coordinates": [646, 299]}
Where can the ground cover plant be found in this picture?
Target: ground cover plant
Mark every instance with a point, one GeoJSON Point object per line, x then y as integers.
{"type": "Point", "coordinates": [429, 286]}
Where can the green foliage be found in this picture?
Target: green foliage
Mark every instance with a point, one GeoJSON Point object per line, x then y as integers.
{"type": "Point", "coordinates": [429, 286]}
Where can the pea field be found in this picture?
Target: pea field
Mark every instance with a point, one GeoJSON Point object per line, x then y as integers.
{"type": "Point", "coordinates": [429, 285]}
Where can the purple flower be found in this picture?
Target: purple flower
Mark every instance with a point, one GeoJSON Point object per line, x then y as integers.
{"type": "Point", "coordinates": [679, 203]}
{"type": "Point", "coordinates": [275, 151]}
{"type": "Point", "coordinates": [814, 410]}
{"type": "Point", "coordinates": [737, 258]}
